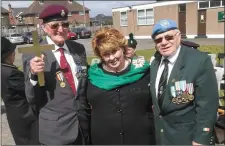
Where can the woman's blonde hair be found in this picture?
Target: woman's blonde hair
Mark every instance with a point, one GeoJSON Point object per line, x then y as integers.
{"type": "Point", "coordinates": [107, 40]}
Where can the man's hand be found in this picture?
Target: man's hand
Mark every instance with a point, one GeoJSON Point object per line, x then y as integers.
{"type": "Point", "coordinates": [194, 143]}
{"type": "Point", "coordinates": [37, 64]}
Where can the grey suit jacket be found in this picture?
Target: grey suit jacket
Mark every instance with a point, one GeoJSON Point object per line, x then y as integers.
{"type": "Point", "coordinates": [61, 113]}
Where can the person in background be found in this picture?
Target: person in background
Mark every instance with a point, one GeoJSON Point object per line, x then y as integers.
{"type": "Point", "coordinates": [119, 95]}
{"type": "Point", "coordinates": [63, 118]}
{"type": "Point", "coordinates": [183, 88]}
{"type": "Point", "coordinates": [22, 120]}
{"type": "Point", "coordinates": [131, 48]}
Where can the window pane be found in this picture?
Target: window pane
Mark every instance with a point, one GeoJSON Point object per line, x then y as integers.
{"type": "Point", "coordinates": [141, 12]}
{"type": "Point", "coordinates": [149, 12]}
{"type": "Point", "coordinates": [203, 4]}
{"type": "Point", "coordinates": [123, 14]}
{"type": "Point", "coordinates": [123, 22]}
{"type": "Point", "coordinates": [141, 20]}
{"type": "Point", "coordinates": [214, 3]}
{"type": "Point", "coordinates": [182, 8]}
{"type": "Point", "coordinates": [222, 2]}
{"type": "Point", "coordinates": [150, 20]}
{"type": "Point", "coordinates": [81, 13]}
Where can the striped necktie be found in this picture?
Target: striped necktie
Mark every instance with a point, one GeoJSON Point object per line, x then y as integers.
{"type": "Point", "coordinates": [163, 83]}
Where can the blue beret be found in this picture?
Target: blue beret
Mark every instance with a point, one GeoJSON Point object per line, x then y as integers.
{"type": "Point", "coordinates": [163, 26]}
{"type": "Point", "coordinates": [54, 13]}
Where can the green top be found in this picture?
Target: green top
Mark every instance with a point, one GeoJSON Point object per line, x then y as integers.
{"type": "Point", "coordinates": [102, 80]}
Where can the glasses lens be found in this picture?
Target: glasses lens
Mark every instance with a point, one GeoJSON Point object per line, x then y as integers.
{"type": "Point", "coordinates": [54, 26]}
{"type": "Point", "coordinates": [65, 24]}
{"type": "Point", "coordinates": [159, 40]}
{"type": "Point", "coordinates": [169, 37]}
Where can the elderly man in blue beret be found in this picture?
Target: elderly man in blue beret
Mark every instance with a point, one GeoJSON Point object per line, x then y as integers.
{"type": "Point", "coordinates": [184, 89]}
{"type": "Point", "coordinates": [63, 117]}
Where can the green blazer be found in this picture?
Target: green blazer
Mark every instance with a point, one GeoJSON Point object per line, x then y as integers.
{"type": "Point", "coordinates": [180, 124]}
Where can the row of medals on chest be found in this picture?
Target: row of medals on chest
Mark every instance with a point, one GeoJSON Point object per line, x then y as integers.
{"type": "Point", "coordinates": [182, 92]}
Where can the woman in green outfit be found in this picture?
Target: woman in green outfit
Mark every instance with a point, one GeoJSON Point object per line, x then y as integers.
{"type": "Point", "coordinates": [118, 92]}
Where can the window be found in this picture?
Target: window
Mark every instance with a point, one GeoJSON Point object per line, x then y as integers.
{"type": "Point", "coordinates": [210, 4]}
{"type": "Point", "coordinates": [215, 3]}
{"type": "Point", "coordinates": [81, 13]}
{"type": "Point", "coordinates": [145, 17]}
{"type": "Point", "coordinates": [123, 19]}
{"type": "Point", "coordinates": [203, 5]}
{"type": "Point", "coordinates": [182, 8]}
{"type": "Point", "coordinates": [37, 15]}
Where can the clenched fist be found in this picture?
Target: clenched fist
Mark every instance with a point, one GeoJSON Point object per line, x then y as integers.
{"type": "Point", "coordinates": [37, 64]}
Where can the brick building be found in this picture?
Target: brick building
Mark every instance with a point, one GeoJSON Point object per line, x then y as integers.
{"type": "Point", "coordinates": [204, 19]}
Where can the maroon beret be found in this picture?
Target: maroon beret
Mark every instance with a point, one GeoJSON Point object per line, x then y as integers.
{"type": "Point", "coordinates": [54, 13]}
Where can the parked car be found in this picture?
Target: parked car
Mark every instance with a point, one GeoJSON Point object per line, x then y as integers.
{"type": "Point", "coordinates": [82, 32]}
{"type": "Point", "coordinates": [71, 35]}
{"type": "Point", "coordinates": [27, 36]}
{"type": "Point", "coordinates": [15, 38]}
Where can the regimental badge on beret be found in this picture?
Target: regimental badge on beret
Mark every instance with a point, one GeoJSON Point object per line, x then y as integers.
{"type": "Point", "coordinates": [63, 13]}
{"type": "Point", "coordinates": [164, 23]}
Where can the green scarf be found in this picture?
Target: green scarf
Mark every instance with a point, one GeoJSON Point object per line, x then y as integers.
{"type": "Point", "coordinates": [108, 82]}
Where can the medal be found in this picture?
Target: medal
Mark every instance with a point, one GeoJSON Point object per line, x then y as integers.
{"type": "Point", "coordinates": [174, 100]}
{"type": "Point", "coordinates": [60, 78]}
{"type": "Point", "coordinates": [173, 93]}
{"type": "Point", "coordinates": [179, 99]}
{"type": "Point", "coordinates": [63, 84]}
{"type": "Point", "coordinates": [184, 97]}
{"type": "Point", "coordinates": [190, 97]}
{"type": "Point", "coordinates": [190, 90]}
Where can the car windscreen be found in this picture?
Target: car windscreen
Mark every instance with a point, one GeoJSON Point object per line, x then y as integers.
{"type": "Point", "coordinates": [15, 35]}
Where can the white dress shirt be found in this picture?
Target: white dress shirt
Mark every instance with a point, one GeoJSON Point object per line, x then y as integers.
{"type": "Point", "coordinates": [172, 60]}
{"type": "Point", "coordinates": [69, 59]}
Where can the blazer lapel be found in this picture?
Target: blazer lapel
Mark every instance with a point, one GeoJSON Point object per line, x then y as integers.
{"type": "Point", "coordinates": [176, 75]}
{"type": "Point", "coordinates": [153, 73]}
{"type": "Point", "coordinates": [80, 61]}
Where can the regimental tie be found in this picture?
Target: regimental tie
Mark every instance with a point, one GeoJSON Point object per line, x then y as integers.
{"type": "Point", "coordinates": [67, 70]}
{"type": "Point", "coordinates": [163, 83]}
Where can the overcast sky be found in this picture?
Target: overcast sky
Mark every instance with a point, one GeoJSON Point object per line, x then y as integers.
{"type": "Point", "coordinates": [96, 7]}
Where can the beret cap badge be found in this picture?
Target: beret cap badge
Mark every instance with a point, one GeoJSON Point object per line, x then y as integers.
{"type": "Point", "coordinates": [63, 13]}
{"type": "Point", "coordinates": [164, 23]}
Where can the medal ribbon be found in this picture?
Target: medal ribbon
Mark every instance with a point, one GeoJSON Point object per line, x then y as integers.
{"type": "Point", "coordinates": [59, 76]}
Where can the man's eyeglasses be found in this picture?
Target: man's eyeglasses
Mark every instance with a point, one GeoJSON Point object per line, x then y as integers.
{"type": "Point", "coordinates": [166, 37]}
{"type": "Point", "coordinates": [56, 25]}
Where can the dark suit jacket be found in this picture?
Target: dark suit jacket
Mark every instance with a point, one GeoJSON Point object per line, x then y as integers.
{"type": "Point", "coordinates": [181, 124]}
{"type": "Point", "coordinates": [62, 115]}
{"type": "Point", "coordinates": [21, 118]}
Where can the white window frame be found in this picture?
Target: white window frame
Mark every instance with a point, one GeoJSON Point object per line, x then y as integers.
{"type": "Point", "coordinates": [81, 13]}
{"type": "Point", "coordinates": [209, 5]}
{"type": "Point", "coordinates": [145, 16]}
{"type": "Point", "coordinates": [123, 18]}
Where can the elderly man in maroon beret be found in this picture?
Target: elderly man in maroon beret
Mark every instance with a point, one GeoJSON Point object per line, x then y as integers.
{"type": "Point", "coordinates": [63, 114]}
